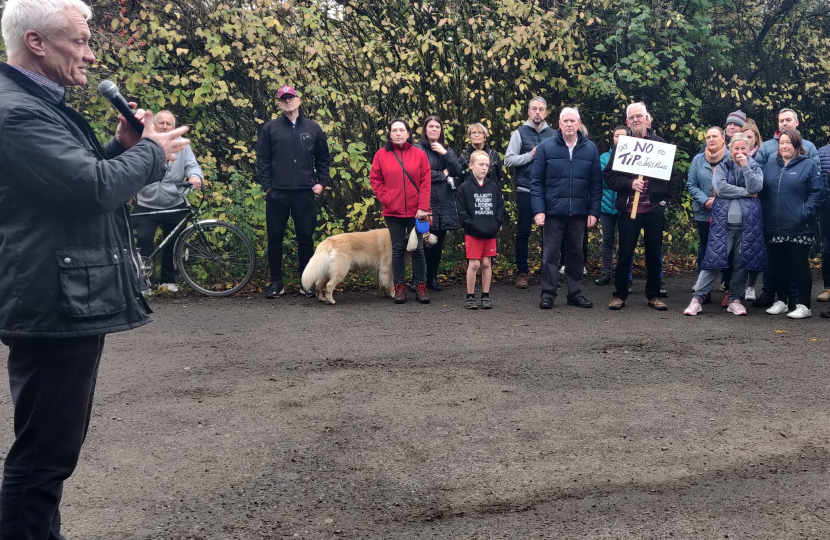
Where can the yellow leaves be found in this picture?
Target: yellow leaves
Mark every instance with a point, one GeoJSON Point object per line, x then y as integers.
{"type": "Point", "coordinates": [780, 331]}
{"type": "Point", "coordinates": [168, 7]}
{"type": "Point", "coordinates": [442, 22]}
{"type": "Point", "coordinates": [181, 51]}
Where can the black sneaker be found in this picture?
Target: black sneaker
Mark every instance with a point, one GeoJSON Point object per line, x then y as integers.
{"type": "Point", "coordinates": [310, 293]}
{"type": "Point", "coordinates": [274, 290]}
{"type": "Point", "coordinates": [546, 302]}
{"type": "Point", "coordinates": [486, 303]}
{"type": "Point", "coordinates": [604, 279]}
{"type": "Point", "coordinates": [763, 301]}
{"type": "Point", "coordinates": [470, 303]}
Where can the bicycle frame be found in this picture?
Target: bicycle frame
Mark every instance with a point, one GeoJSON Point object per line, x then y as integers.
{"type": "Point", "coordinates": [191, 216]}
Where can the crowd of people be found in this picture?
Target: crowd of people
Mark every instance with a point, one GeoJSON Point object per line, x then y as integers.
{"type": "Point", "coordinates": [70, 272]}
{"type": "Point", "coordinates": [757, 206]}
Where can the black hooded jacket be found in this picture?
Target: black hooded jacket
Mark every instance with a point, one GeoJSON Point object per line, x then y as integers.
{"type": "Point", "coordinates": [480, 208]}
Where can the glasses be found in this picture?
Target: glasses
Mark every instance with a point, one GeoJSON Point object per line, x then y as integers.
{"type": "Point", "coordinates": [286, 99]}
{"type": "Point", "coordinates": [476, 133]}
{"type": "Point", "coordinates": [636, 117]}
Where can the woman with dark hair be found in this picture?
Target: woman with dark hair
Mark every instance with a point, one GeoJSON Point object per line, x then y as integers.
{"type": "Point", "coordinates": [443, 165]}
{"type": "Point", "coordinates": [400, 178]}
{"type": "Point", "coordinates": [793, 192]}
{"type": "Point", "coordinates": [477, 134]}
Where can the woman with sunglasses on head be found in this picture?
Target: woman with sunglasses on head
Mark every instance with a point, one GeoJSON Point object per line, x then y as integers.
{"type": "Point", "coordinates": [444, 167]}
{"type": "Point", "coordinates": [400, 178]}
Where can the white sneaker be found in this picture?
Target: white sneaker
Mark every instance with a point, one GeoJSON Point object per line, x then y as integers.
{"type": "Point", "coordinates": [778, 308]}
{"type": "Point", "coordinates": [736, 308]}
{"type": "Point", "coordinates": [169, 287]}
{"type": "Point", "coordinates": [800, 312]}
{"type": "Point", "coordinates": [584, 271]}
{"type": "Point", "coordinates": [562, 270]}
{"type": "Point", "coordinates": [694, 308]}
{"type": "Point", "coordinates": [749, 294]}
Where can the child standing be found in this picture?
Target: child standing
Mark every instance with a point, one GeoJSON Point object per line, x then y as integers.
{"type": "Point", "coordinates": [481, 212]}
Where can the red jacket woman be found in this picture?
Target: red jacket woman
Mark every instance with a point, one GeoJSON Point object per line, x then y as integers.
{"type": "Point", "coordinates": [400, 178]}
{"type": "Point", "coordinates": [401, 195]}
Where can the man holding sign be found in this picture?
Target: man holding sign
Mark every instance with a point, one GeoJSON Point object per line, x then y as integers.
{"type": "Point", "coordinates": [640, 172]}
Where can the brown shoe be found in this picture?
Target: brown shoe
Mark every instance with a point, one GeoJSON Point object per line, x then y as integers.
{"type": "Point", "coordinates": [658, 304]}
{"type": "Point", "coordinates": [421, 293]}
{"type": "Point", "coordinates": [725, 302]}
{"type": "Point", "coordinates": [400, 293]}
{"type": "Point", "coordinates": [824, 296]}
{"type": "Point", "coordinates": [616, 303]}
{"type": "Point", "coordinates": [521, 281]}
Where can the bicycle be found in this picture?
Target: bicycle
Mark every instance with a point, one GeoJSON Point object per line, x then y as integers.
{"type": "Point", "coordinates": [214, 257]}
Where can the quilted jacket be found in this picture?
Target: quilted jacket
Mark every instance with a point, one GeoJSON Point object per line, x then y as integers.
{"type": "Point", "coordinates": [753, 253]}
{"type": "Point", "coordinates": [609, 196]}
{"type": "Point", "coordinates": [565, 185]}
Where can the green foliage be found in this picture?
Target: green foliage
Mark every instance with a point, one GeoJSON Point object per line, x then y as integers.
{"type": "Point", "coordinates": [357, 64]}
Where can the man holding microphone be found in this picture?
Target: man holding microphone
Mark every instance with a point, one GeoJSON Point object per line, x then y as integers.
{"type": "Point", "coordinates": [69, 273]}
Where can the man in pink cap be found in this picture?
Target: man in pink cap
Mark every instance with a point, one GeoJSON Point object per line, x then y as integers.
{"type": "Point", "coordinates": [293, 161]}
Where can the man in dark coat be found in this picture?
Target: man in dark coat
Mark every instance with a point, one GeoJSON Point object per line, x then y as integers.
{"type": "Point", "coordinates": [650, 217]}
{"type": "Point", "coordinates": [293, 161]}
{"type": "Point", "coordinates": [565, 195]}
{"type": "Point", "coordinates": [69, 273]}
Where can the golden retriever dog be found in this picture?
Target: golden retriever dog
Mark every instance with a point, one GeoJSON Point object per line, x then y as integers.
{"type": "Point", "coordinates": [338, 255]}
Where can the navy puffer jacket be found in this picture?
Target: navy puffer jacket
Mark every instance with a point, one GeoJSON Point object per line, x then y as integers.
{"type": "Point", "coordinates": [791, 196]}
{"type": "Point", "coordinates": [561, 185]}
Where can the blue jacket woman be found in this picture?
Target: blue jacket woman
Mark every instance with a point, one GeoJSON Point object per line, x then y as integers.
{"type": "Point", "coordinates": [736, 233]}
{"type": "Point", "coordinates": [792, 195]}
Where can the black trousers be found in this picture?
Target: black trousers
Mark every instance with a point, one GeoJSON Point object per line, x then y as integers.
{"type": "Point", "coordinates": [302, 207]}
{"type": "Point", "coordinates": [399, 230]}
{"type": "Point", "coordinates": [789, 264]}
{"type": "Point", "coordinates": [433, 254]}
{"type": "Point", "coordinates": [651, 223]}
{"type": "Point", "coordinates": [567, 231]}
{"type": "Point", "coordinates": [52, 384]}
{"type": "Point", "coordinates": [145, 236]}
{"type": "Point", "coordinates": [524, 216]}
{"type": "Point", "coordinates": [563, 251]}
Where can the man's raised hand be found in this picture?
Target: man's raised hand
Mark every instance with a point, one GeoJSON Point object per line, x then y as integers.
{"type": "Point", "coordinates": [171, 142]}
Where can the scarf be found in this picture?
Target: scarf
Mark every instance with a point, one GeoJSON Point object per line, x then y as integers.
{"type": "Point", "coordinates": [714, 159]}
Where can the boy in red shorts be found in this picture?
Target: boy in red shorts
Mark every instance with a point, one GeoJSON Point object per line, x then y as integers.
{"type": "Point", "coordinates": [481, 212]}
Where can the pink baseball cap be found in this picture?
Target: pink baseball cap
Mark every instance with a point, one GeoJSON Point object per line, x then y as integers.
{"type": "Point", "coordinates": [286, 90]}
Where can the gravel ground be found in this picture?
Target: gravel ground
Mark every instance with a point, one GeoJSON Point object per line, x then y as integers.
{"type": "Point", "coordinates": [251, 419]}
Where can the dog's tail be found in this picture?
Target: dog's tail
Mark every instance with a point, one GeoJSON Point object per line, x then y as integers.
{"type": "Point", "coordinates": [317, 267]}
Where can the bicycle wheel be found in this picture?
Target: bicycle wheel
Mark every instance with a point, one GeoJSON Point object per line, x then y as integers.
{"type": "Point", "coordinates": [215, 258]}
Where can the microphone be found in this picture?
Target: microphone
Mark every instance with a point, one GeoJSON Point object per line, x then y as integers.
{"type": "Point", "coordinates": [109, 90]}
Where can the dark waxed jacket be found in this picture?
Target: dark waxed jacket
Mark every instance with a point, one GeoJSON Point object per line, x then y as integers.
{"type": "Point", "coordinates": [791, 196]}
{"type": "Point", "coordinates": [292, 158]}
{"type": "Point", "coordinates": [658, 190]}
{"type": "Point", "coordinates": [68, 265]}
{"type": "Point", "coordinates": [481, 207]}
{"type": "Point", "coordinates": [561, 185]}
{"type": "Point", "coordinates": [442, 197]}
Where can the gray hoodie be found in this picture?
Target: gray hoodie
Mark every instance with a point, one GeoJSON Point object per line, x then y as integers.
{"type": "Point", "coordinates": [169, 192]}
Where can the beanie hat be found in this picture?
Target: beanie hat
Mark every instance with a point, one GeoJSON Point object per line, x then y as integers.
{"type": "Point", "coordinates": [737, 117]}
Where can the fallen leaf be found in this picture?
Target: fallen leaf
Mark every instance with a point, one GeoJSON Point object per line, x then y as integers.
{"type": "Point", "coordinates": [814, 339]}
{"type": "Point", "coordinates": [780, 331]}
{"type": "Point", "coordinates": [187, 368]}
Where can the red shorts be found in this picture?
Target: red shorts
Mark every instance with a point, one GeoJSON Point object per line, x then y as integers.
{"type": "Point", "coordinates": [480, 247]}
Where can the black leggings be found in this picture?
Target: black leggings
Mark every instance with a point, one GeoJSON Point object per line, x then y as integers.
{"type": "Point", "coordinates": [399, 229]}
{"type": "Point", "coordinates": [789, 263]}
{"type": "Point", "coordinates": [433, 254]}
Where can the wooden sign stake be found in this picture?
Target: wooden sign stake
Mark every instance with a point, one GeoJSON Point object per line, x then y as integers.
{"type": "Point", "coordinates": [636, 201]}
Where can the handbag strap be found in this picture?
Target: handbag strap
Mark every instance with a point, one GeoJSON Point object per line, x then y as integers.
{"type": "Point", "coordinates": [400, 161]}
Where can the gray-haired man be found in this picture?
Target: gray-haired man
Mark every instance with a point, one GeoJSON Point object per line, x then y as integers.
{"type": "Point", "coordinates": [69, 273]}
